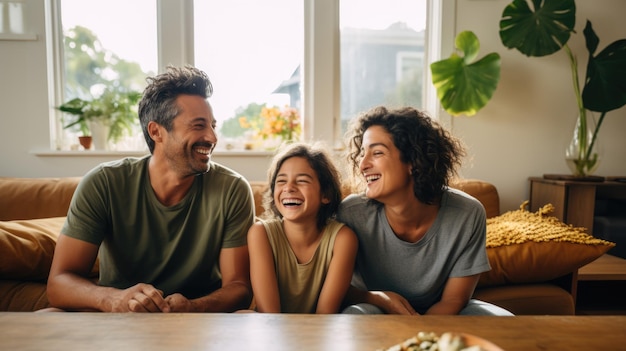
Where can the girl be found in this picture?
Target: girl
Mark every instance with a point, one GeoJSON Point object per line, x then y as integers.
{"type": "Point", "coordinates": [301, 260]}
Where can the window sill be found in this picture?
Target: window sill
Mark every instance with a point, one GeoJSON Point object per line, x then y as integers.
{"type": "Point", "coordinates": [19, 37]}
{"type": "Point", "coordinates": [86, 153]}
{"type": "Point", "coordinates": [137, 153]}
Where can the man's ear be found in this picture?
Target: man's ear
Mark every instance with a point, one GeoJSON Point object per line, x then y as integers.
{"type": "Point", "coordinates": [155, 131]}
{"type": "Point", "coordinates": [325, 200]}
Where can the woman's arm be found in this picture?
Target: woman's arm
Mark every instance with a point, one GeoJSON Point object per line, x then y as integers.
{"type": "Point", "coordinates": [388, 301]}
{"type": "Point", "coordinates": [339, 273]}
{"type": "Point", "coordinates": [456, 295]}
{"type": "Point", "coordinates": [262, 272]}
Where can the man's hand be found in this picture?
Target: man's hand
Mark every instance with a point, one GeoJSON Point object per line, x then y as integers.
{"type": "Point", "coordinates": [139, 298]}
{"type": "Point", "coordinates": [393, 303]}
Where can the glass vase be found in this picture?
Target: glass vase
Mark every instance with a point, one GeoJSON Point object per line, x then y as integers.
{"type": "Point", "coordinates": [584, 152]}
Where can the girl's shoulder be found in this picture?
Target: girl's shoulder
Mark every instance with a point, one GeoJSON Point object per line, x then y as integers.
{"type": "Point", "coordinates": [269, 224]}
{"type": "Point", "coordinates": [265, 226]}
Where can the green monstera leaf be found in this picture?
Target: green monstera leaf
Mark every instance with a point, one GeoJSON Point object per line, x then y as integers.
{"type": "Point", "coordinates": [605, 84]}
{"type": "Point", "coordinates": [540, 31]}
{"type": "Point", "coordinates": [464, 86]}
{"type": "Point", "coordinates": [546, 29]}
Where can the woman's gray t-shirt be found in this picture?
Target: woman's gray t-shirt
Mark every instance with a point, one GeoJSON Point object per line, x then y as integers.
{"type": "Point", "coordinates": [454, 246]}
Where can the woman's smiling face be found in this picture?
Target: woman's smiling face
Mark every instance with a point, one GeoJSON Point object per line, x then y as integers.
{"type": "Point", "coordinates": [381, 166]}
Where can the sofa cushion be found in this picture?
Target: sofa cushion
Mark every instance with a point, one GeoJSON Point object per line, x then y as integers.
{"type": "Point", "coordinates": [21, 296]}
{"type": "Point", "coordinates": [258, 189]}
{"type": "Point", "coordinates": [529, 299]}
{"type": "Point", "coordinates": [525, 247]}
{"type": "Point", "coordinates": [27, 247]}
{"type": "Point", "coordinates": [27, 198]}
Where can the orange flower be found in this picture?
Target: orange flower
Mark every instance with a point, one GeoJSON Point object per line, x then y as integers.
{"type": "Point", "coordinates": [273, 121]}
{"type": "Point", "coordinates": [243, 122]}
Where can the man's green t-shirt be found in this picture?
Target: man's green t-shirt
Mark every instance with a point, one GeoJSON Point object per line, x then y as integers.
{"type": "Point", "coordinates": [174, 248]}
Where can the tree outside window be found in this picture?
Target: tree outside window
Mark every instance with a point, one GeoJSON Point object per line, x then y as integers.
{"type": "Point", "coordinates": [102, 59]}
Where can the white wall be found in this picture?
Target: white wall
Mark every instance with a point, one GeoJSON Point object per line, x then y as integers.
{"type": "Point", "coordinates": [524, 129]}
{"type": "Point", "coordinates": [522, 132]}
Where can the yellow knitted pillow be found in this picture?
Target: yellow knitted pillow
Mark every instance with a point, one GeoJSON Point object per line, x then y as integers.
{"type": "Point", "coordinates": [526, 247]}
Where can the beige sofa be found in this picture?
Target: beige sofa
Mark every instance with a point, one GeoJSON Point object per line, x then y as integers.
{"type": "Point", "coordinates": [32, 212]}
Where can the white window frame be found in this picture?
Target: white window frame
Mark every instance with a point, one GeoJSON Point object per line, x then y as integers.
{"type": "Point", "coordinates": [404, 61]}
{"type": "Point", "coordinates": [321, 76]}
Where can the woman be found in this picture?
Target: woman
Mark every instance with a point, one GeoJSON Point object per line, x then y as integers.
{"type": "Point", "coordinates": [421, 243]}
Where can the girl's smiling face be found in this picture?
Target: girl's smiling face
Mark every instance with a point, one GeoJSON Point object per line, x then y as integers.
{"type": "Point", "coordinates": [297, 190]}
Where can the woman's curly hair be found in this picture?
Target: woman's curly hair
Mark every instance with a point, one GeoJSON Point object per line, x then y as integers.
{"type": "Point", "coordinates": [433, 153]}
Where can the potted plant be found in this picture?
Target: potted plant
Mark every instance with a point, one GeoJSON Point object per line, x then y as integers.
{"type": "Point", "coordinates": [464, 86]}
{"type": "Point", "coordinates": [106, 118]}
{"type": "Point", "coordinates": [546, 29]}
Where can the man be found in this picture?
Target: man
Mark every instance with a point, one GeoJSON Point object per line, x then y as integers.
{"type": "Point", "coordinates": [169, 228]}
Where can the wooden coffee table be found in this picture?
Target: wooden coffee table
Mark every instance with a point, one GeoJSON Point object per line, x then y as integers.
{"type": "Point", "coordinates": [252, 331]}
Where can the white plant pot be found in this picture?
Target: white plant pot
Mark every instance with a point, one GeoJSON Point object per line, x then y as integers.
{"type": "Point", "coordinates": [100, 134]}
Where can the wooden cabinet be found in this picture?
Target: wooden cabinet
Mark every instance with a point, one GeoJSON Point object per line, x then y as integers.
{"type": "Point", "coordinates": [574, 201]}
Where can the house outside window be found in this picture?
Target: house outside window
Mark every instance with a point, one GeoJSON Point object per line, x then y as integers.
{"type": "Point", "coordinates": [250, 49]}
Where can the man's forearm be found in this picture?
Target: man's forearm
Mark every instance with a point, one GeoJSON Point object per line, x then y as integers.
{"type": "Point", "coordinates": [71, 292]}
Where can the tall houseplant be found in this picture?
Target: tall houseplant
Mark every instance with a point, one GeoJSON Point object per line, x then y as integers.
{"type": "Point", "coordinates": [464, 85]}
{"type": "Point", "coordinates": [546, 29]}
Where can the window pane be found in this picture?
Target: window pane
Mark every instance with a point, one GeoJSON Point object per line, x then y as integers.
{"type": "Point", "coordinates": [108, 45]}
{"type": "Point", "coordinates": [252, 52]}
{"type": "Point", "coordinates": [382, 54]}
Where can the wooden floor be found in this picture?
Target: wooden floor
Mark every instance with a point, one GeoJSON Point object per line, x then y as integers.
{"type": "Point", "coordinates": [602, 287]}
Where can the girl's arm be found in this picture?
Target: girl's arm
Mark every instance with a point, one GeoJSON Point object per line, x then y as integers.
{"type": "Point", "coordinates": [262, 273]}
{"type": "Point", "coordinates": [339, 272]}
